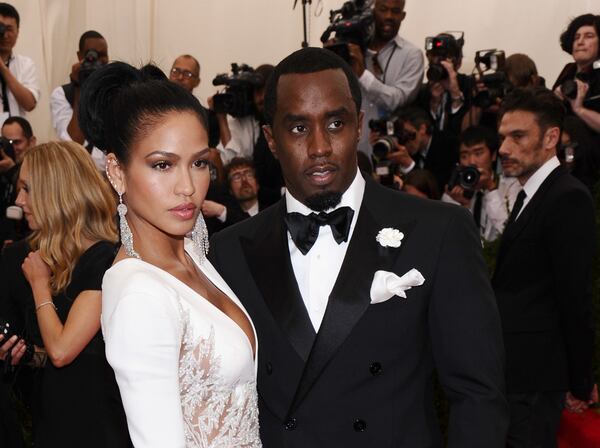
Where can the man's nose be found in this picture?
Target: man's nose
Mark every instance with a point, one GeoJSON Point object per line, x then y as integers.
{"type": "Point", "coordinates": [319, 143]}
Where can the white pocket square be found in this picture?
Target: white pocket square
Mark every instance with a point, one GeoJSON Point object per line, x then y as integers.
{"type": "Point", "coordinates": [387, 284]}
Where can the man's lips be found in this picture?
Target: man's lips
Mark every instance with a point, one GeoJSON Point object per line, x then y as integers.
{"type": "Point", "coordinates": [184, 211]}
{"type": "Point", "coordinates": [321, 174]}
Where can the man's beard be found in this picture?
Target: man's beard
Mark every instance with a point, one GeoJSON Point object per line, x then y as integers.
{"type": "Point", "coordinates": [320, 202]}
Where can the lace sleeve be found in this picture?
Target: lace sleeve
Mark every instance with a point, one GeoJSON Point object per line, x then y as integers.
{"type": "Point", "coordinates": [143, 340]}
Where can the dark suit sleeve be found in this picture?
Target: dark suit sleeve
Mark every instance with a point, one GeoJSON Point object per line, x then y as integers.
{"type": "Point", "coordinates": [571, 235]}
{"type": "Point", "coordinates": [466, 339]}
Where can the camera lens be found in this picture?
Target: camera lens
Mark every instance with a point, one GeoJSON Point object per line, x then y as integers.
{"type": "Point", "coordinates": [436, 72]}
{"type": "Point", "coordinates": [382, 147]}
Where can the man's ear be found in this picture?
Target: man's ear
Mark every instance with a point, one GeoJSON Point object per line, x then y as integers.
{"type": "Point", "coordinates": [115, 174]}
{"type": "Point", "coordinates": [268, 132]}
{"type": "Point", "coordinates": [32, 141]}
{"type": "Point", "coordinates": [361, 117]}
{"type": "Point", "coordinates": [551, 137]}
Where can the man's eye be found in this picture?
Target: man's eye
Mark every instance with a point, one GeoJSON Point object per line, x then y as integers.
{"type": "Point", "coordinates": [336, 124]}
{"type": "Point", "coordinates": [298, 129]}
{"type": "Point", "coordinates": [161, 166]}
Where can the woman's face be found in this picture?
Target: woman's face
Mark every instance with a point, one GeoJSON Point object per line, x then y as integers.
{"type": "Point", "coordinates": [23, 197]}
{"type": "Point", "coordinates": [166, 177]}
{"type": "Point", "coordinates": [585, 45]}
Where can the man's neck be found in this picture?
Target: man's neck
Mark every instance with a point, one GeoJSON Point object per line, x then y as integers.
{"type": "Point", "coordinates": [5, 55]}
{"type": "Point", "coordinates": [247, 205]}
{"type": "Point", "coordinates": [377, 43]}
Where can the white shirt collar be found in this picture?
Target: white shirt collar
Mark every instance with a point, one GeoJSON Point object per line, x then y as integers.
{"type": "Point", "coordinates": [253, 210]}
{"type": "Point", "coordinates": [352, 198]}
{"type": "Point", "coordinates": [535, 181]}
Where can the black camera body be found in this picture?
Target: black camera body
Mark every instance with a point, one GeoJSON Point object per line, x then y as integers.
{"type": "Point", "coordinates": [466, 177]}
{"type": "Point", "coordinates": [91, 63]}
{"type": "Point", "coordinates": [490, 65]}
{"type": "Point", "coordinates": [352, 24]}
{"type": "Point", "coordinates": [238, 98]}
{"type": "Point", "coordinates": [8, 148]}
{"type": "Point", "coordinates": [443, 46]}
{"type": "Point", "coordinates": [569, 86]}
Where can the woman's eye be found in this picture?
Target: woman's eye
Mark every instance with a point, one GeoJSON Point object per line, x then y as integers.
{"type": "Point", "coordinates": [161, 166]}
{"type": "Point", "coordinates": [201, 163]}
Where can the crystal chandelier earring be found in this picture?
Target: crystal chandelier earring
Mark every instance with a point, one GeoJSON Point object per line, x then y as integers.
{"type": "Point", "coordinates": [126, 235]}
{"type": "Point", "coordinates": [200, 237]}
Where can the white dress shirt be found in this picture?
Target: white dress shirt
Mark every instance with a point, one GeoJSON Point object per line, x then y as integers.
{"type": "Point", "coordinates": [317, 271]}
{"type": "Point", "coordinates": [62, 112]}
{"type": "Point", "coordinates": [23, 68]}
{"type": "Point", "coordinates": [402, 64]}
{"type": "Point", "coordinates": [537, 179]}
{"type": "Point", "coordinates": [244, 135]}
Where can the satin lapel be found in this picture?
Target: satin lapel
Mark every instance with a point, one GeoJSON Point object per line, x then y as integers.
{"type": "Point", "coordinates": [269, 262]}
{"type": "Point", "coordinates": [513, 230]}
{"type": "Point", "coordinates": [350, 296]}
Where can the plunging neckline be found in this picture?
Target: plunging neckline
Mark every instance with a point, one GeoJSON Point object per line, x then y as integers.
{"type": "Point", "coordinates": [254, 348]}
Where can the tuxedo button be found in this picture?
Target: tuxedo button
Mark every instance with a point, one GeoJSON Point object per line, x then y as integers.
{"type": "Point", "coordinates": [375, 368]}
{"type": "Point", "coordinates": [360, 425]}
{"type": "Point", "coordinates": [269, 368]}
{"type": "Point", "coordinates": [290, 424]}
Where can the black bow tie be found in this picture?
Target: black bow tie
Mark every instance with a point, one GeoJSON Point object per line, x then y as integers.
{"type": "Point", "coordinates": [305, 229]}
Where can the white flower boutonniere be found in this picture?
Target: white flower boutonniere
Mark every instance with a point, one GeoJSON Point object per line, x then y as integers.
{"type": "Point", "coordinates": [389, 237]}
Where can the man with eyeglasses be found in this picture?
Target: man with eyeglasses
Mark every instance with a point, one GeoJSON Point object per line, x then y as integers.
{"type": "Point", "coordinates": [249, 199]}
{"type": "Point", "coordinates": [64, 102]}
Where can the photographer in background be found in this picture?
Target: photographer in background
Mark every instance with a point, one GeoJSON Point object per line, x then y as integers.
{"type": "Point", "coordinates": [17, 138]}
{"type": "Point", "coordinates": [443, 96]}
{"type": "Point", "coordinates": [18, 77]}
{"type": "Point", "coordinates": [474, 183]}
{"type": "Point", "coordinates": [64, 101]}
{"type": "Point", "coordinates": [424, 147]}
{"type": "Point", "coordinates": [579, 82]}
{"type": "Point", "coordinates": [391, 70]}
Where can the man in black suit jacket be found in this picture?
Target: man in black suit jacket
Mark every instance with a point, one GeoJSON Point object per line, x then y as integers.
{"type": "Point", "coordinates": [543, 276]}
{"type": "Point", "coordinates": [346, 359]}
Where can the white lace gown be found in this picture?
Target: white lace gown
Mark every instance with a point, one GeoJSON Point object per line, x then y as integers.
{"type": "Point", "coordinates": [185, 370]}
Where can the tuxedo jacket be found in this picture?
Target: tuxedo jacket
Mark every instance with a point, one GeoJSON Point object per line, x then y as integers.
{"type": "Point", "coordinates": [442, 157]}
{"type": "Point", "coordinates": [543, 284]}
{"type": "Point", "coordinates": [365, 379]}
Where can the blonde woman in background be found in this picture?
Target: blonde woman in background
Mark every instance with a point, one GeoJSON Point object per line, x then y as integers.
{"type": "Point", "coordinates": [71, 211]}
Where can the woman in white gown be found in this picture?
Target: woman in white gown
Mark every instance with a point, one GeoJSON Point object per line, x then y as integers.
{"type": "Point", "coordinates": [181, 344]}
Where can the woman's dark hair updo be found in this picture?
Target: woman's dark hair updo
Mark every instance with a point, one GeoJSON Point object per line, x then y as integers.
{"type": "Point", "coordinates": [120, 103]}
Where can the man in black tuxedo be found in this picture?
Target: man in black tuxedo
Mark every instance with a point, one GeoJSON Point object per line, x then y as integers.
{"type": "Point", "coordinates": [543, 276]}
{"type": "Point", "coordinates": [346, 359]}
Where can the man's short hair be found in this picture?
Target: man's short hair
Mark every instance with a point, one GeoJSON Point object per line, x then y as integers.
{"type": "Point", "coordinates": [567, 38]}
{"type": "Point", "coordinates": [25, 126]}
{"type": "Point", "coordinates": [549, 111]}
{"type": "Point", "coordinates": [308, 60]}
{"type": "Point", "coordinates": [522, 69]}
{"type": "Point", "coordinates": [7, 10]}
{"type": "Point", "coordinates": [475, 135]}
{"type": "Point", "coordinates": [265, 71]}
{"type": "Point", "coordinates": [189, 56]}
{"type": "Point", "coordinates": [416, 117]}
{"type": "Point", "coordinates": [91, 34]}
{"type": "Point", "coordinates": [238, 162]}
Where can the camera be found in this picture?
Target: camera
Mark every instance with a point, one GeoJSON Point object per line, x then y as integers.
{"type": "Point", "coordinates": [569, 86]}
{"type": "Point", "coordinates": [490, 65]}
{"type": "Point", "coordinates": [8, 148]}
{"type": "Point", "coordinates": [392, 132]}
{"type": "Point", "coordinates": [442, 47]}
{"type": "Point", "coordinates": [91, 63]}
{"type": "Point", "coordinates": [238, 98]}
{"type": "Point", "coordinates": [2, 30]}
{"type": "Point", "coordinates": [352, 24]}
{"type": "Point", "coordinates": [466, 177]}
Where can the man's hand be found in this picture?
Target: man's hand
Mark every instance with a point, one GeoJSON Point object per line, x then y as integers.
{"type": "Point", "coordinates": [14, 345]}
{"type": "Point", "coordinates": [212, 209]}
{"type": "Point", "coordinates": [486, 180]}
{"type": "Point", "coordinates": [451, 83]}
{"type": "Point", "coordinates": [75, 73]}
{"type": "Point", "coordinates": [575, 405]}
{"type": "Point", "coordinates": [582, 90]}
{"type": "Point", "coordinates": [458, 194]}
{"type": "Point", "coordinates": [357, 59]}
{"type": "Point", "coordinates": [401, 156]}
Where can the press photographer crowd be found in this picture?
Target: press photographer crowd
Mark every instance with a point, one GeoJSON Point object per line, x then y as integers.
{"type": "Point", "coordinates": [517, 153]}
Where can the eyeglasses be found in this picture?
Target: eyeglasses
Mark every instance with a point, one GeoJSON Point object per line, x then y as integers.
{"type": "Point", "coordinates": [238, 176]}
{"type": "Point", "coordinates": [176, 71]}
